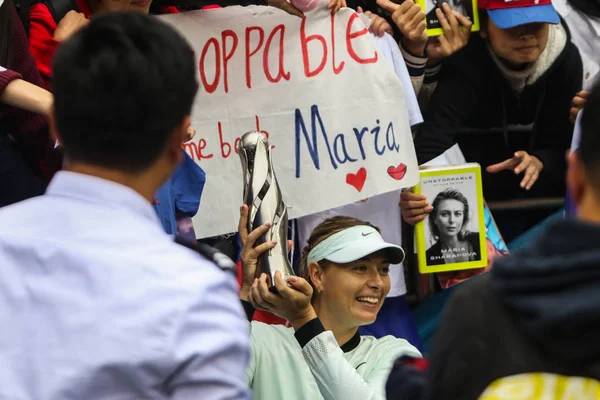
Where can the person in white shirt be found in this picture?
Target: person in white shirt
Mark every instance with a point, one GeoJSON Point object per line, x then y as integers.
{"type": "Point", "coordinates": [96, 301]}
{"type": "Point", "coordinates": [343, 283]}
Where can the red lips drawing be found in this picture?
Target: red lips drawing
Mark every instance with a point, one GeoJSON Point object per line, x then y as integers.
{"type": "Point", "coordinates": [397, 172]}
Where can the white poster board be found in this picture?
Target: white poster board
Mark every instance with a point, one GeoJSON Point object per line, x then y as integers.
{"type": "Point", "coordinates": [333, 109]}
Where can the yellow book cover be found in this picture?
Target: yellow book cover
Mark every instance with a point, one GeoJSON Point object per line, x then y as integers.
{"type": "Point", "coordinates": [468, 8]}
{"type": "Point", "coordinates": [453, 236]}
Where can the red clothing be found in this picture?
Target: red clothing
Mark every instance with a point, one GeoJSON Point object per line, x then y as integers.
{"type": "Point", "coordinates": [41, 35]}
{"type": "Point", "coordinates": [85, 9]}
{"type": "Point", "coordinates": [41, 40]}
{"type": "Point", "coordinates": [29, 129]}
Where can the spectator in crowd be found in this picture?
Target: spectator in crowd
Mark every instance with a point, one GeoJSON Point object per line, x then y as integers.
{"type": "Point", "coordinates": [423, 54]}
{"type": "Point", "coordinates": [100, 302]}
{"type": "Point", "coordinates": [344, 282]}
{"type": "Point", "coordinates": [583, 18]}
{"type": "Point", "coordinates": [45, 33]}
{"type": "Point", "coordinates": [531, 322]}
{"type": "Point", "coordinates": [521, 72]}
{"type": "Point", "coordinates": [27, 155]}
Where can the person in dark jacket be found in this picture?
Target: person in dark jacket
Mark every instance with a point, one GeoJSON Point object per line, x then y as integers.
{"type": "Point", "coordinates": [505, 99]}
{"type": "Point", "coordinates": [522, 71]}
{"type": "Point", "coordinates": [531, 324]}
{"type": "Point", "coordinates": [448, 225]}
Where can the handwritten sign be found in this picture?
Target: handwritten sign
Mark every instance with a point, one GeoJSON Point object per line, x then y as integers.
{"type": "Point", "coordinates": [332, 108]}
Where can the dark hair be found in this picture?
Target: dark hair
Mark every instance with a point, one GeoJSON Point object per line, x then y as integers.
{"type": "Point", "coordinates": [122, 84]}
{"type": "Point", "coordinates": [589, 147]}
{"type": "Point", "coordinates": [449, 194]}
{"type": "Point", "coordinates": [324, 230]}
{"type": "Point", "coordinates": [6, 34]}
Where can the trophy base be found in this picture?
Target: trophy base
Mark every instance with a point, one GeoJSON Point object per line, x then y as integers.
{"type": "Point", "coordinates": [271, 283]}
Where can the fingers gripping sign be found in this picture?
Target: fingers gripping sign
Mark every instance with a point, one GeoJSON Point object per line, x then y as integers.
{"type": "Point", "coordinates": [379, 26]}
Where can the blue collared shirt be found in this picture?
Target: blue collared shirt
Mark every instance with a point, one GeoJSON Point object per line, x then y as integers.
{"type": "Point", "coordinates": [97, 302]}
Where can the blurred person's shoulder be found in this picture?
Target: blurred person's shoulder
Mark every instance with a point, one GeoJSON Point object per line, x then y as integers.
{"type": "Point", "coordinates": [123, 238]}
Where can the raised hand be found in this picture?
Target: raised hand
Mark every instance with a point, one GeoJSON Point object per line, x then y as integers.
{"type": "Point", "coordinates": [457, 31]}
{"type": "Point", "coordinates": [410, 20]}
{"type": "Point", "coordinates": [577, 104]}
{"type": "Point", "coordinates": [379, 25]}
{"type": "Point", "coordinates": [522, 162]}
{"type": "Point", "coordinates": [71, 23]}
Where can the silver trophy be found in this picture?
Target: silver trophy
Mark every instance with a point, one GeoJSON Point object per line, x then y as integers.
{"type": "Point", "coordinates": [265, 205]}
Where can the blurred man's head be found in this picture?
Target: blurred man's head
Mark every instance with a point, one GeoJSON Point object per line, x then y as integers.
{"type": "Point", "coordinates": [584, 164]}
{"type": "Point", "coordinates": [124, 87]}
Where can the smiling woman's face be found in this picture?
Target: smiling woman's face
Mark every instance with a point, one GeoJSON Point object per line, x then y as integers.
{"type": "Point", "coordinates": [519, 45]}
{"type": "Point", "coordinates": [449, 217]}
{"type": "Point", "coordinates": [353, 293]}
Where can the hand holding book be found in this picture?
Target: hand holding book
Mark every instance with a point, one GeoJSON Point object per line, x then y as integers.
{"type": "Point", "coordinates": [456, 32]}
{"type": "Point", "coordinates": [414, 207]}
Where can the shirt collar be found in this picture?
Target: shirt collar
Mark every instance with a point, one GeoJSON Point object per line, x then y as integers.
{"type": "Point", "coordinates": [101, 191]}
{"type": "Point", "coordinates": [351, 344]}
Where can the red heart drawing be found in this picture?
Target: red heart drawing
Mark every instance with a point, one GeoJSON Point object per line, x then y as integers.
{"type": "Point", "coordinates": [357, 180]}
{"type": "Point", "coordinates": [397, 172]}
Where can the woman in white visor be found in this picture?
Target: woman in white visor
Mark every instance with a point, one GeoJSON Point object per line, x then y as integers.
{"type": "Point", "coordinates": [344, 281]}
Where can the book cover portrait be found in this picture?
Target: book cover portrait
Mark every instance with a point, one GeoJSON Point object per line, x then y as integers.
{"type": "Point", "coordinates": [452, 237]}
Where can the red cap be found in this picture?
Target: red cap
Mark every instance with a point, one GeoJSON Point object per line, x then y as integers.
{"type": "Point", "coordinates": [507, 14]}
{"type": "Point", "coordinates": [503, 4]}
